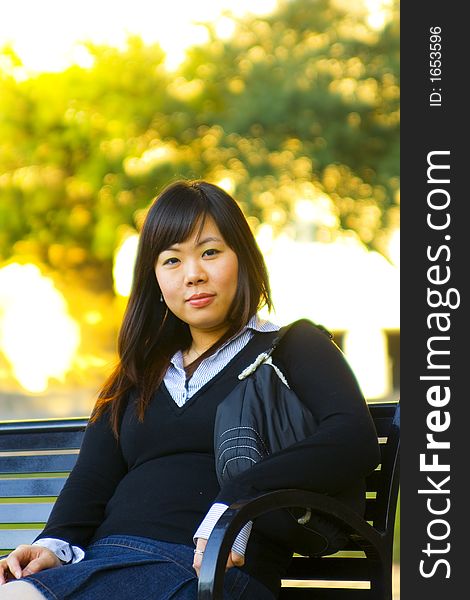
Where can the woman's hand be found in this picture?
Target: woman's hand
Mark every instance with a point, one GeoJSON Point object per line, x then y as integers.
{"type": "Point", "coordinates": [234, 559]}
{"type": "Point", "coordinates": [26, 560]}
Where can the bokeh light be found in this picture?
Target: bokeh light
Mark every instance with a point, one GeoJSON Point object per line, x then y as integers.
{"type": "Point", "coordinates": [50, 38]}
{"type": "Point", "coordinates": [37, 335]}
{"type": "Point", "coordinates": [123, 268]}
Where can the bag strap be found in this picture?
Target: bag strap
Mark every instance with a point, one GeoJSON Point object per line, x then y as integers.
{"type": "Point", "coordinates": [284, 330]}
{"type": "Point", "coordinates": [277, 340]}
{"type": "Point", "coordinates": [265, 355]}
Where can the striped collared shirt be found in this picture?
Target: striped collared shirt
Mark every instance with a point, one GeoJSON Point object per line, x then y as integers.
{"type": "Point", "coordinates": [182, 389]}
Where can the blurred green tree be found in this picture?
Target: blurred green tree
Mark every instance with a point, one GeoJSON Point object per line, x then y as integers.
{"type": "Point", "coordinates": [302, 104]}
{"type": "Point", "coordinates": [309, 94]}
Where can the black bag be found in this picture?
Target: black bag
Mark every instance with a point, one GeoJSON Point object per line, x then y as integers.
{"type": "Point", "coordinates": [260, 416]}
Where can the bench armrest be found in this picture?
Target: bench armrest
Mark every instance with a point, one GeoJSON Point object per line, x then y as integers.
{"type": "Point", "coordinates": [222, 536]}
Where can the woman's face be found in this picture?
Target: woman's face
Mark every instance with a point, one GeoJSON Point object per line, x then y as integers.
{"type": "Point", "coordinates": [198, 279]}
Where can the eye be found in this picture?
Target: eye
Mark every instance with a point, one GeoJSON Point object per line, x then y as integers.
{"type": "Point", "coordinates": [171, 261]}
{"type": "Point", "coordinates": [211, 252]}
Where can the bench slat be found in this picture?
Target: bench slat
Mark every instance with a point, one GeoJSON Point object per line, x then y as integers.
{"type": "Point", "coordinates": [373, 481]}
{"type": "Point", "coordinates": [45, 463]}
{"type": "Point", "coordinates": [329, 568]}
{"type": "Point", "coordinates": [371, 509]}
{"type": "Point", "coordinates": [296, 593]}
{"type": "Point", "coordinates": [10, 538]}
{"type": "Point", "coordinates": [69, 424]}
{"type": "Point", "coordinates": [31, 488]}
{"type": "Point", "coordinates": [382, 425]}
{"type": "Point", "coordinates": [49, 440]}
{"type": "Point", "coordinates": [380, 410]}
{"type": "Point", "coordinates": [383, 451]}
{"type": "Point", "coordinates": [21, 512]}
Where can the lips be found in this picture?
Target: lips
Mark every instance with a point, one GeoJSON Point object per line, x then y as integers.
{"type": "Point", "coordinates": [200, 300]}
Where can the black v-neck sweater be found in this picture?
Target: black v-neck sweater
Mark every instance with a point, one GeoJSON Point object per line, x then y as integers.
{"type": "Point", "coordinates": [159, 481]}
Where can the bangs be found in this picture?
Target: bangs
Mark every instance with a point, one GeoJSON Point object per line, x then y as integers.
{"type": "Point", "coordinates": [181, 211]}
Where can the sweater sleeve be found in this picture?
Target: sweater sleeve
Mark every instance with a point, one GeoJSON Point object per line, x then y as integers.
{"type": "Point", "coordinates": [80, 507]}
{"type": "Point", "coordinates": [343, 449]}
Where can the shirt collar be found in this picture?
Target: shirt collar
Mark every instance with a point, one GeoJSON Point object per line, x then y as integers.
{"type": "Point", "coordinates": [258, 324]}
{"type": "Point", "coordinates": [255, 324]}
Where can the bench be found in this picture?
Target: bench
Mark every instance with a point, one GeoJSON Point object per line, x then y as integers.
{"type": "Point", "coordinates": [37, 456]}
{"type": "Point", "coordinates": [363, 569]}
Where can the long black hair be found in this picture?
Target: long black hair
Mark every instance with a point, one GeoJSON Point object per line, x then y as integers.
{"type": "Point", "coordinates": [150, 333]}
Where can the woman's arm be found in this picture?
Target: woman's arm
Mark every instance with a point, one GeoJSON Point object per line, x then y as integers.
{"type": "Point", "coordinates": [344, 447]}
{"type": "Point", "coordinates": [80, 507]}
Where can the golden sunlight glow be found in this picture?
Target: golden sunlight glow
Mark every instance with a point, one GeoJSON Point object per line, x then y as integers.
{"type": "Point", "coordinates": [366, 350]}
{"type": "Point", "coordinates": [265, 238]}
{"type": "Point", "coordinates": [225, 28]}
{"type": "Point", "coordinates": [227, 183]}
{"type": "Point", "coordinates": [37, 335]}
{"type": "Point", "coordinates": [344, 287]}
{"type": "Point", "coordinates": [175, 46]}
{"type": "Point", "coordinates": [49, 35]}
{"type": "Point", "coordinates": [319, 211]}
{"type": "Point", "coordinates": [123, 267]}
{"type": "Point", "coordinates": [394, 247]}
{"type": "Point", "coordinates": [151, 158]}
{"type": "Point", "coordinates": [379, 12]}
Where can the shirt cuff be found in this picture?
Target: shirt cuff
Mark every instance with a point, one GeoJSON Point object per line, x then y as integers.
{"type": "Point", "coordinates": [205, 528]}
{"type": "Point", "coordinates": [64, 551]}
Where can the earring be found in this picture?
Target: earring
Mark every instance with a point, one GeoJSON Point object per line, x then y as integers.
{"type": "Point", "coordinates": [161, 297]}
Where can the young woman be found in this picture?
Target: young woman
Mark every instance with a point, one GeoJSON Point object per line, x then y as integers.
{"type": "Point", "coordinates": [134, 516]}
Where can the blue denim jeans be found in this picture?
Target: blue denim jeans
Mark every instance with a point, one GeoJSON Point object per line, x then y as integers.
{"type": "Point", "coordinates": [121, 567]}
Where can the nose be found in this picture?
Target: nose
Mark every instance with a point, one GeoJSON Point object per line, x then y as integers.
{"type": "Point", "coordinates": [195, 274]}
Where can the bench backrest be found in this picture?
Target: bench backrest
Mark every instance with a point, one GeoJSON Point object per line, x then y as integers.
{"type": "Point", "coordinates": [37, 456]}
{"type": "Point", "coordinates": [35, 460]}
{"type": "Point", "coordinates": [348, 573]}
